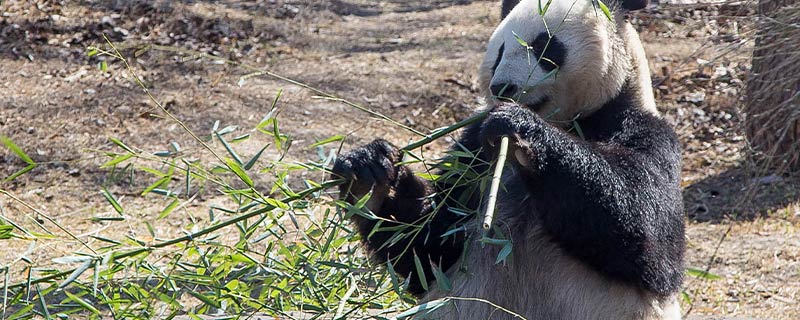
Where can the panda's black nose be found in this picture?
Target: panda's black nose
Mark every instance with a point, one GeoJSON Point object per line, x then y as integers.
{"type": "Point", "coordinates": [503, 90]}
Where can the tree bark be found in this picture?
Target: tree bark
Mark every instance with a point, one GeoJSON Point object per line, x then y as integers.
{"type": "Point", "coordinates": [772, 103]}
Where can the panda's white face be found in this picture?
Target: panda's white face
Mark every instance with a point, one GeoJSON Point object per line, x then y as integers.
{"type": "Point", "coordinates": [574, 62]}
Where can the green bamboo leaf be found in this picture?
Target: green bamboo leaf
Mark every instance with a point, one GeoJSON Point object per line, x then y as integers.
{"type": "Point", "coordinates": [686, 297]}
{"type": "Point", "coordinates": [171, 206]}
{"type": "Point", "coordinates": [504, 252]}
{"type": "Point", "coordinates": [111, 241]}
{"type": "Point", "coordinates": [234, 166]}
{"type": "Point", "coordinates": [441, 279]}
{"type": "Point", "coordinates": [42, 304]}
{"type": "Point", "coordinates": [393, 277]}
{"type": "Point", "coordinates": [335, 138]}
{"type": "Point", "coordinates": [150, 229]}
{"type": "Point", "coordinates": [209, 301]}
{"type": "Point", "coordinates": [452, 231]}
{"type": "Point", "coordinates": [6, 231]}
{"type": "Point", "coordinates": [605, 10]}
{"type": "Point", "coordinates": [117, 159]}
{"type": "Point", "coordinates": [253, 160]}
{"type": "Point", "coordinates": [121, 145]}
{"type": "Point", "coordinates": [578, 129]}
{"type": "Point", "coordinates": [542, 10]}
{"type": "Point", "coordinates": [16, 150]}
{"type": "Point", "coordinates": [163, 180]}
{"type": "Point", "coordinates": [519, 39]}
{"type": "Point", "coordinates": [334, 264]}
{"type": "Point", "coordinates": [98, 219]}
{"type": "Point", "coordinates": [228, 147]}
{"type": "Point", "coordinates": [81, 302]}
{"type": "Point", "coordinates": [113, 201]}
{"type": "Point", "coordinates": [423, 308]}
{"type": "Point", "coordinates": [20, 172]}
{"type": "Point", "coordinates": [493, 241]}
{"type": "Point", "coordinates": [702, 274]}
{"type": "Point", "coordinates": [77, 273]}
{"type": "Point", "coordinates": [420, 272]}
{"type": "Point", "coordinates": [227, 130]}
{"type": "Point", "coordinates": [188, 179]}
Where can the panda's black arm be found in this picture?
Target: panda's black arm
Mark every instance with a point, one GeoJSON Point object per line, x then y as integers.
{"type": "Point", "coordinates": [613, 200]}
{"type": "Point", "coordinates": [399, 198]}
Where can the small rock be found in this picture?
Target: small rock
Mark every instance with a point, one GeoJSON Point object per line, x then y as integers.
{"type": "Point", "coordinates": [696, 97]}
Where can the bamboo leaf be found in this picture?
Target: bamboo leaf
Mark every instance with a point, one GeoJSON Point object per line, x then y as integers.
{"type": "Point", "coordinates": [420, 272]}
{"type": "Point", "coordinates": [441, 279]}
{"type": "Point", "coordinates": [519, 39]}
{"type": "Point", "coordinates": [156, 184]}
{"type": "Point", "coordinates": [77, 273]}
{"type": "Point", "coordinates": [335, 138]}
{"type": "Point", "coordinates": [16, 150]}
{"type": "Point", "coordinates": [234, 166]}
{"type": "Point", "coordinates": [121, 145]}
{"type": "Point", "coordinates": [393, 277]}
{"type": "Point", "coordinates": [253, 160]}
{"type": "Point", "coordinates": [171, 206]}
{"type": "Point", "coordinates": [702, 274]}
{"type": "Point", "coordinates": [42, 304]}
{"type": "Point", "coordinates": [20, 172]}
{"type": "Point", "coordinates": [113, 201]}
{"type": "Point", "coordinates": [209, 301]}
{"type": "Point", "coordinates": [228, 147]}
{"type": "Point", "coordinates": [82, 302]}
{"type": "Point", "coordinates": [71, 259]}
{"type": "Point", "coordinates": [117, 159]}
{"type": "Point", "coordinates": [605, 10]}
{"type": "Point", "coordinates": [423, 308]}
{"type": "Point", "coordinates": [504, 252]}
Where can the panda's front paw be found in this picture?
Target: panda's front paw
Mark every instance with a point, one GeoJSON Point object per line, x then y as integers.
{"type": "Point", "coordinates": [511, 120]}
{"type": "Point", "coordinates": [368, 168]}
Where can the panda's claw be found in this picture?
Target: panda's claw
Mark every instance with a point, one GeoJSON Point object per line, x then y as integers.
{"type": "Point", "coordinates": [370, 167]}
{"type": "Point", "coordinates": [511, 120]}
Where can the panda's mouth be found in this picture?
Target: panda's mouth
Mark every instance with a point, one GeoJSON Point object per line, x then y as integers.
{"type": "Point", "coordinates": [537, 105]}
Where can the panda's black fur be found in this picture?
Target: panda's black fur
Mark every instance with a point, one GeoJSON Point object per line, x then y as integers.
{"type": "Point", "coordinates": [609, 199]}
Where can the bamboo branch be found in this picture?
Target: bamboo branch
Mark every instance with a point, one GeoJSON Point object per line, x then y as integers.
{"type": "Point", "coordinates": [495, 186]}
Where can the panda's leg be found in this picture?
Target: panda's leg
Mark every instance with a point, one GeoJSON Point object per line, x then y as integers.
{"type": "Point", "coordinates": [398, 199]}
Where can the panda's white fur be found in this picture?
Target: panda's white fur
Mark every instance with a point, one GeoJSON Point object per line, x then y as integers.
{"type": "Point", "coordinates": [556, 285]}
{"type": "Point", "coordinates": [602, 54]}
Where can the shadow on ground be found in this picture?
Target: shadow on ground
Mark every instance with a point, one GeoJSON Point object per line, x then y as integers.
{"type": "Point", "coordinates": [740, 195]}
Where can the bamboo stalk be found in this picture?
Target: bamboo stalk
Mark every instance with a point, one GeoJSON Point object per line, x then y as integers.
{"type": "Point", "coordinates": [439, 133]}
{"type": "Point", "coordinates": [495, 186]}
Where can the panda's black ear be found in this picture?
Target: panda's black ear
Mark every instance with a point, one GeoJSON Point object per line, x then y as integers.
{"type": "Point", "coordinates": [634, 4]}
{"type": "Point", "coordinates": [507, 6]}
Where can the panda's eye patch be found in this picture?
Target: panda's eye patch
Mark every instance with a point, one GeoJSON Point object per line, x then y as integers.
{"type": "Point", "coordinates": [499, 57]}
{"type": "Point", "coordinates": [550, 52]}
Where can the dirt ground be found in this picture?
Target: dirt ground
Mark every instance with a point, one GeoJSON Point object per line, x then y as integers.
{"type": "Point", "coordinates": [414, 61]}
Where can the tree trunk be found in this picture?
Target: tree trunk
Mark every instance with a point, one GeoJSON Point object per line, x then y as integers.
{"type": "Point", "coordinates": [772, 104]}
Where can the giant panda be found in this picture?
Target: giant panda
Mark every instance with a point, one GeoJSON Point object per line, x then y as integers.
{"type": "Point", "coordinates": [590, 196]}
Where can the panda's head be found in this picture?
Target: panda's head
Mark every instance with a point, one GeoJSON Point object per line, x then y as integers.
{"type": "Point", "coordinates": [565, 63]}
